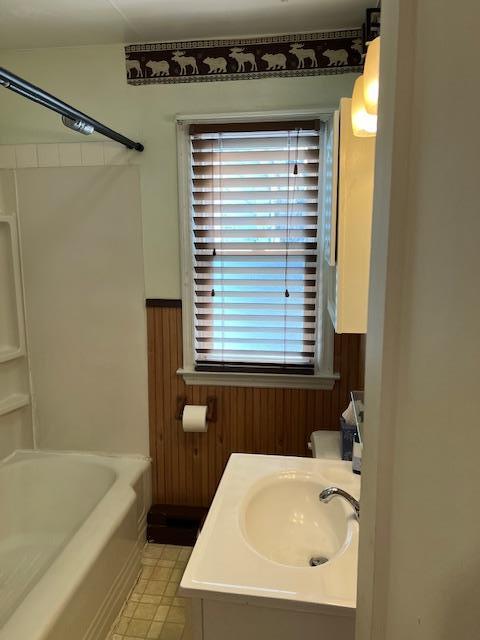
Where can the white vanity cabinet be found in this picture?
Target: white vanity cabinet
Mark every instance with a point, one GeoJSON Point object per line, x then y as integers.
{"type": "Point", "coordinates": [347, 221]}
{"type": "Point", "coordinates": [212, 619]}
{"type": "Point", "coordinates": [251, 576]}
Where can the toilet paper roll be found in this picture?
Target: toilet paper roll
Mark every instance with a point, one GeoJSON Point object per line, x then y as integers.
{"type": "Point", "coordinates": [194, 418]}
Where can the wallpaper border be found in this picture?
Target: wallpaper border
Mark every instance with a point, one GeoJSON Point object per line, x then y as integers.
{"type": "Point", "coordinates": [327, 53]}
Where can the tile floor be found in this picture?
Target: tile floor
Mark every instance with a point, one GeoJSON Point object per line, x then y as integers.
{"type": "Point", "coordinates": [154, 611]}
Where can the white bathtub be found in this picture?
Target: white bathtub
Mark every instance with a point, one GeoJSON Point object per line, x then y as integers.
{"type": "Point", "coordinates": [72, 527]}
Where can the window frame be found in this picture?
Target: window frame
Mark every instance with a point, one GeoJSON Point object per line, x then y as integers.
{"type": "Point", "coordinates": [323, 376]}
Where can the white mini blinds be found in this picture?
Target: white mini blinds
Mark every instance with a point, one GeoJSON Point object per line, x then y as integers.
{"type": "Point", "coordinates": [254, 208]}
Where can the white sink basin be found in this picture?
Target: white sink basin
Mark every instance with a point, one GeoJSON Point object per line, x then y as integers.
{"type": "Point", "coordinates": [283, 519]}
{"type": "Point", "coordinates": [264, 525]}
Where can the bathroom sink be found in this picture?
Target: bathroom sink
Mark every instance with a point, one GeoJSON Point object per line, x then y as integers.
{"type": "Point", "coordinates": [266, 523]}
{"type": "Point", "coordinates": [284, 521]}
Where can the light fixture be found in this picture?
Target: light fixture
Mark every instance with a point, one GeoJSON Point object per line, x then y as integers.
{"type": "Point", "coordinates": [364, 124]}
{"type": "Point", "coordinates": [370, 77]}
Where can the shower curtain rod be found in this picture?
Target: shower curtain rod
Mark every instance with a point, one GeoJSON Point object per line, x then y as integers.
{"type": "Point", "coordinates": [71, 117]}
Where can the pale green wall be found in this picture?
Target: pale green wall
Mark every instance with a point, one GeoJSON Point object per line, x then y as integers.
{"type": "Point", "coordinates": [93, 80]}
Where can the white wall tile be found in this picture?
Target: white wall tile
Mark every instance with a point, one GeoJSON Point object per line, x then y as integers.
{"type": "Point", "coordinates": [69, 154]}
{"type": "Point", "coordinates": [26, 155]}
{"type": "Point", "coordinates": [92, 153]}
{"type": "Point", "coordinates": [48, 155]}
{"type": "Point", "coordinates": [8, 159]}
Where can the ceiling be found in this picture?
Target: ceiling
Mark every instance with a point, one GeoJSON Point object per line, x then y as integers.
{"type": "Point", "coordinates": [57, 23]}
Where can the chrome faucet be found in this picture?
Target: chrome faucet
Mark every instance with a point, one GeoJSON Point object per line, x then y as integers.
{"type": "Point", "coordinates": [327, 494]}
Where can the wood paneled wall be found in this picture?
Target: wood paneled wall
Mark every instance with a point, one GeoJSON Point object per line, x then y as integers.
{"type": "Point", "coordinates": [188, 466]}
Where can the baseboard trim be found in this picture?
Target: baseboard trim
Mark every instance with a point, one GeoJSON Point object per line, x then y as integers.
{"type": "Point", "coordinates": [174, 524]}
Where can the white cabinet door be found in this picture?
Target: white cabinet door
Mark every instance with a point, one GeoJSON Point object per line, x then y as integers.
{"type": "Point", "coordinates": [348, 279]}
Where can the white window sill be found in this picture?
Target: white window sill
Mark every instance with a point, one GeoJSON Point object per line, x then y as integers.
{"type": "Point", "coordinates": [262, 380]}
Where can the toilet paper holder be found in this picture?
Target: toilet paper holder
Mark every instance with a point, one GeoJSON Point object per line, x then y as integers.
{"type": "Point", "coordinates": [211, 408]}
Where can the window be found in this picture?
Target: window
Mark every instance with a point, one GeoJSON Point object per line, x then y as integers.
{"type": "Point", "coordinates": [252, 295]}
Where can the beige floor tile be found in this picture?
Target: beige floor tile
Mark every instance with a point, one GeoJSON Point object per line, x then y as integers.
{"type": "Point", "coordinates": [179, 602]}
{"type": "Point", "coordinates": [153, 551]}
{"type": "Point", "coordinates": [138, 628]}
{"type": "Point", "coordinates": [122, 625]}
{"type": "Point", "coordinates": [161, 573]}
{"type": "Point", "coordinates": [140, 586]}
{"type": "Point", "coordinates": [177, 575]}
{"type": "Point", "coordinates": [155, 630]}
{"type": "Point", "coordinates": [171, 589]}
{"type": "Point", "coordinates": [145, 611]}
{"type": "Point", "coordinates": [154, 610]}
{"type": "Point", "coordinates": [171, 631]}
{"type": "Point", "coordinates": [166, 563]}
{"type": "Point", "coordinates": [147, 572]}
{"type": "Point", "coordinates": [155, 588]}
{"type": "Point", "coordinates": [161, 613]}
{"type": "Point", "coordinates": [149, 562]}
{"type": "Point", "coordinates": [129, 609]}
{"type": "Point", "coordinates": [176, 614]}
{"type": "Point", "coordinates": [184, 553]}
{"type": "Point", "coordinates": [170, 553]}
{"type": "Point", "coordinates": [147, 599]}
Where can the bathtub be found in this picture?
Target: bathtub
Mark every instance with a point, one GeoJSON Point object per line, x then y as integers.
{"type": "Point", "coordinates": [72, 527]}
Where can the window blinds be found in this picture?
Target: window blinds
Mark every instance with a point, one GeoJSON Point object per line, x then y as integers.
{"type": "Point", "coordinates": [254, 232]}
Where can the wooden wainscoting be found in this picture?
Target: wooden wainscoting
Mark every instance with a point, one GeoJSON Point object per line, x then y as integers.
{"type": "Point", "coordinates": [188, 466]}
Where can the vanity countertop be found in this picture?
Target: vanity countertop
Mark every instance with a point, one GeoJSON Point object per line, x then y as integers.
{"type": "Point", "coordinates": [273, 501]}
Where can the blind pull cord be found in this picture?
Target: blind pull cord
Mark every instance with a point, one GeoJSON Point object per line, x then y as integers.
{"type": "Point", "coordinates": [287, 292]}
{"type": "Point", "coordinates": [295, 168]}
{"type": "Point", "coordinates": [289, 202]}
{"type": "Point", "coordinates": [295, 173]}
{"type": "Point", "coordinates": [214, 252]}
{"type": "Point", "coordinates": [222, 254]}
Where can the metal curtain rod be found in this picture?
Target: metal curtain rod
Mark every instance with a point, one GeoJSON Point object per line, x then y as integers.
{"type": "Point", "coordinates": [71, 117]}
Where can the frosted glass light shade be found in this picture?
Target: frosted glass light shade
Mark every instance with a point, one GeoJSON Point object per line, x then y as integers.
{"type": "Point", "coordinates": [371, 77]}
{"type": "Point", "coordinates": [364, 124]}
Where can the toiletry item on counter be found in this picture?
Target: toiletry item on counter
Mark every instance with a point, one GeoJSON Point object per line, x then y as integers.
{"type": "Point", "coordinates": [351, 423]}
{"type": "Point", "coordinates": [349, 414]}
{"type": "Point", "coordinates": [357, 454]}
{"type": "Point", "coordinates": [348, 428]}
{"type": "Point", "coordinates": [359, 411]}
{"type": "Point", "coordinates": [326, 444]}
{"type": "Point", "coordinates": [348, 434]}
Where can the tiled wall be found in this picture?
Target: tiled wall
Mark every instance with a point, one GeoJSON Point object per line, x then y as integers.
{"type": "Point", "coordinates": [84, 285]}
{"type": "Point", "coordinates": [15, 412]}
{"type": "Point", "coordinates": [67, 154]}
